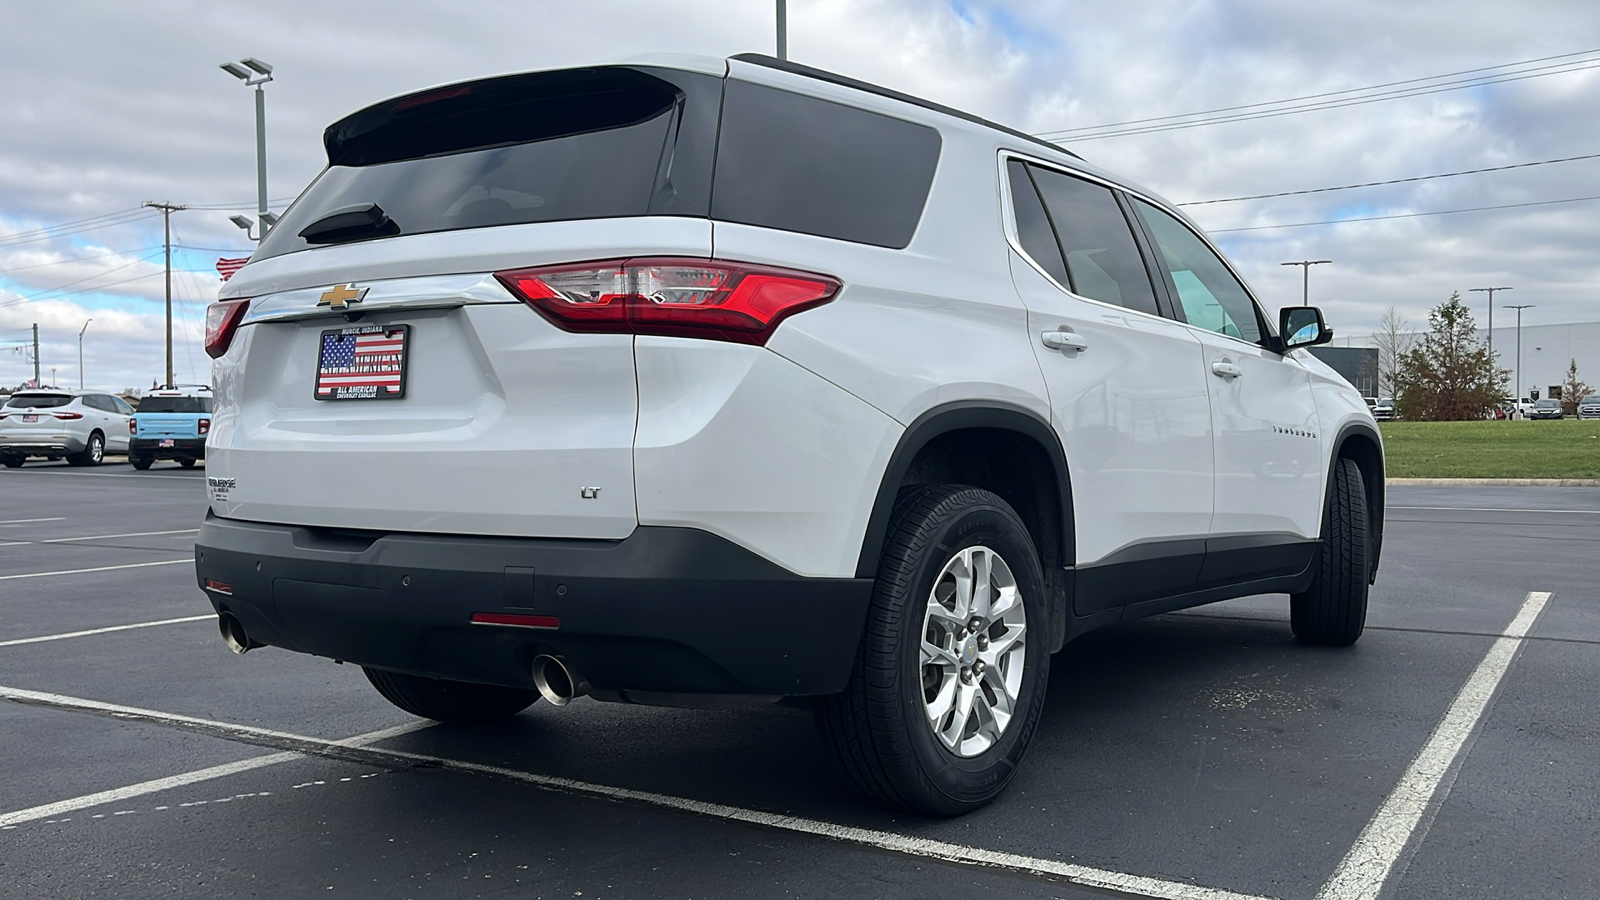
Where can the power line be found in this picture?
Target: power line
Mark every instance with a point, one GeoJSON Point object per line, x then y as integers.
{"type": "Point", "coordinates": [1346, 187]}
{"type": "Point", "coordinates": [87, 290]}
{"type": "Point", "coordinates": [68, 228]}
{"type": "Point", "coordinates": [1438, 212]}
{"type": "Point", "coordinates": [58, 287]}
{"type": "Point", "coordinates": [248, 204]}
{"type": "Point", "coordinates": [73, 259]}
{"type": "Point", "coordinates": [1372, 94]}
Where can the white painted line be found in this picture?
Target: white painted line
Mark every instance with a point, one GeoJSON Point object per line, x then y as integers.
{"type": "Point", "coordinates": [164, 562]}
{"type": "Point", "coordinates": [1364, 870]}
{"type": "Point", "coordinates": [160, 476]}
{"type": "Point", "coordinates": [77, 634]}
{"type": "Point", "coordinates": [1568, 512]}
{"type": "Point", "coordinates": [27, 521]}
{"type": "Point", "coordinates": [157, 785]}
{"type": "Point", "coordinates": [886, 840]}
{"type": "Point", "coordinates": [101, 537]}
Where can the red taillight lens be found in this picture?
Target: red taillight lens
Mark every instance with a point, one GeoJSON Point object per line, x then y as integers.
{"type": "Point", "coordinates": [205, 426]}
{"type": "Point", "coordinates": [133, 426]}
{"type": "Point", "coordinates": [699, 298]}
{"type": "Point", "coordinates": [221, 587]}
{"type": "Point", "coordinates": [222, 320]}
{"type": "Point", "coordinates": [67, 415]}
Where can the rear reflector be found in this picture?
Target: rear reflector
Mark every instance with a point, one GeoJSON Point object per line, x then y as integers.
{"type": "Point", "coordinates": [220, 587]}
{"type": "Point", "coordinates": [700, 298]}
{"type": "Point", "coordinates": [222, 320]}
{"type": "Point", "coordinates": [487, 618]}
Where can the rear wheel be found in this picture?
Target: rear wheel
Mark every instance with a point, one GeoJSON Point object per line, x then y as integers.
{"type": "Point", "coordinates": [186, 463]}
{"type": "Point", "coordinates": [94, 452]}
{"type": "Point", "coordinates": [950, 678]}
{"type": "Point", "coordinates": [139, 462]}
{"type": "Point", "coordinates": [1333, 611]}
{"type": "Point", "coordinates": [11, 462]}
{"type": "Point", "coordinates": [450, 701]}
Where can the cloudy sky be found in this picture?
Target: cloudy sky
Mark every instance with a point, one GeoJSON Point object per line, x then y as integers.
{"type": "Point", "coordinates": [109, 104]}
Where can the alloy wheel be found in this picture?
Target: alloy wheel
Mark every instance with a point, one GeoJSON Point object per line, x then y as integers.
{"type": "Point", "coordinates": [973, 651]}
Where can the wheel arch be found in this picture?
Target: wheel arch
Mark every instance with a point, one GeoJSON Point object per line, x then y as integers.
{"type": "Point", "coordinates": [1361, 442]}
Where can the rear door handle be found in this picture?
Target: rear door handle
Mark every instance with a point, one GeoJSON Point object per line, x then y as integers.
{"type": "Point", "coordinates": [1226, 369]}
{"type": "Point", "coordinates": [1064, 339]}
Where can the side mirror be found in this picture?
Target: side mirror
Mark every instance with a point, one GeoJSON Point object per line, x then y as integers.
{"type": "Point", "coordinates": [1302, 326]}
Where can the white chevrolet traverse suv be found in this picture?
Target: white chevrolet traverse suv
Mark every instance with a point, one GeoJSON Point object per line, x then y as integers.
{"type": "Point", "coordinates": [685, 380]}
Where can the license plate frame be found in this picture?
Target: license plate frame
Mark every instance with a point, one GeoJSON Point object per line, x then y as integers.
{"type": "Point", "coordinates": [30, 418]}
{"type": "Point", "coordinates": [166, 442]}
{"type": "Point", "coordinates": [346, 371]}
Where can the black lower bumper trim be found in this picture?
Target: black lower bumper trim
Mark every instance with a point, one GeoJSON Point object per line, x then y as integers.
{"type": "Point", "coordinates": [182, 448]}
{"type": "Point", "coordinates": [673, 610]}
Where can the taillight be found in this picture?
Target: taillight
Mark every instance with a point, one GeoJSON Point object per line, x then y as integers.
{"type": "Point", "coordinates": [133, 426]}
{"type": "Point", "coordinates": [205, 426]}
{"type": "Point", "coordinates": [67, 415]}
{"type": "Point", "coordinates": [701, 298]}
{"type": "Point", "coordinates": [222, 320]}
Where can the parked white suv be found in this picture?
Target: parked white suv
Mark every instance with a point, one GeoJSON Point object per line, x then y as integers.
{"type": "Point", "coordinates": [79, 426]}
{"type": "Point", "coordinates": [735, 377]}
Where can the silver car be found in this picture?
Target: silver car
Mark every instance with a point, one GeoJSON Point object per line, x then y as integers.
{"type": "Point", "coordinates": [1589, 407]}
{"type": "Point", "coordinates": [79, 426]}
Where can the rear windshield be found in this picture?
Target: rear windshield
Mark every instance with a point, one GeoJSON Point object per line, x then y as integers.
{"type": "Point", "coordinates": [175, 405]}
{"type": "Point", "coordinates": [545, 147]}
{"type": "Point", "coordinates": [38, 401]}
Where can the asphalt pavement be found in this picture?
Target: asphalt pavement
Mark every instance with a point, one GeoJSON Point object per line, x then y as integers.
{"type": "Point", "coordinates": [1201, 755]}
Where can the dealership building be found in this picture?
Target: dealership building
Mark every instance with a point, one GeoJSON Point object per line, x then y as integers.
{"type": "Point", "coordinates": [1547, 351]}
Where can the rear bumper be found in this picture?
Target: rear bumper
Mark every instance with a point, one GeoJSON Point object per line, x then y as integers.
{"type": "Point", "coordinates": [182, 448]}
{"type": "Point", "coordinates": [671, 610]}
{"type": "Point", "coordinates": [27, 446]}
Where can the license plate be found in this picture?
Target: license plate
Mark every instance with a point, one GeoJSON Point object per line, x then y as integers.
{"type": "Point", "coordinates": [362, 362]}
{"type": "Point", "coordinates": [27, 418]}
{"type": "Point", "coordinates": [167, 443]}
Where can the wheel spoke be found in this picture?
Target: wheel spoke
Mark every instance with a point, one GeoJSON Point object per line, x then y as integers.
{"type": "Point", "coordinates": [942, 701]}
{"type": "Point", "coordinates": [935, 655]}
{"type": "Point", "coordinates": [1000, 646]}
{"type": "Point", "coordinates": [982, 583]}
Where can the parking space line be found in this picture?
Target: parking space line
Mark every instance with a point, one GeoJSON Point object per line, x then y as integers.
{"type": "Point", "coordinates": [1409, 809]}
{"type": "Point", "coordinates": [29, 521]}
{"type": "Point", "coordinates": [157, 785]}
{"type": "Point", "coordinates": [164, 562]}
{"type": "Point", "coordinates": [1570, 512]}
{"type": "Point", "coordinates": [15, 642]}
{"type": "Point", "coordinates": [1083, 876]}
{"type": "Point", "coordinates": [153, 478]}
{"type": "Point", "coordinates": [100, 537]}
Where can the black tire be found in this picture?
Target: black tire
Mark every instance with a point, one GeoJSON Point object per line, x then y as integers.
{"type": "Point", "coordinates": [12, 462]}
{"type": "Point", "coordinates": [1333, 611]}
{"type": "Point", "coordinates": [139, 462]}
{"type": "Point", "coordinates": [186, 463]}
{"type": "Point", "coordinates": [94, 453]}
{"type": "Point", "coordinates": [450, 701]}
{"type": "Point", "coordinates": [877, 728]}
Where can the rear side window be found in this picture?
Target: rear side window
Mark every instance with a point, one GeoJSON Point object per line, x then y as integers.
{"type": "Point", "coordinates": [175, 405]}
{"type": "Point", "coordinates": [38, 401]}
{"type": "Point", "coordinates": [122, 406]}
{"type": "Point", "coordinates": [96, 401]}
{"type": "Point", "coordinates": [1096, 242]}
{"type": "Point", "coordinates": [797, 163]}
{"type": "Point", "coordinates": [1038, 239]}
{"type": "Point", "coordinates": [1211, 297]}
{"type": "Point", "coordinates": [545, 147]}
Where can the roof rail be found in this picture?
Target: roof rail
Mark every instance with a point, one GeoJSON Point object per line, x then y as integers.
{"type": "Point", "coordinates": [784, 65]}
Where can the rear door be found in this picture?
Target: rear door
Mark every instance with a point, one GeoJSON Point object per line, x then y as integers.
{"type": "Point", "coordinates": [1126, 389]}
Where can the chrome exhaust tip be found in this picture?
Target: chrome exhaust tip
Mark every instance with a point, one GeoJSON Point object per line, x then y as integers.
{"type": "Point", "coordinates": [233, 633]}
{"type": "Point", "coordinates": [557, 684]}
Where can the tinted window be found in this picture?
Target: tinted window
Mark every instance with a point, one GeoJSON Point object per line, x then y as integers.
{"type": "Point", "coordinates": [175, 405]}
{"type": "Point", "coordinates": [38, 401]}
{"type": "Point", "coordinates": [1209, 294]}
{"type": "Point", "coordinates": [96, 401]}
{"type": "Point", "coordinates": [1103, 260]}
{"type": "Point", "coordinates": [122, 406]}
{"type": "Point", "coordinates": [1033, 226]}
{"type": "Point", "coordinates": [581, 144]}
{"type": "Point", "coordinates": [796, 163]}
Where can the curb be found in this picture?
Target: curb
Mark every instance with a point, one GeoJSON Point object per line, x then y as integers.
{"type": "Point", "coordinates": [1497, 482]}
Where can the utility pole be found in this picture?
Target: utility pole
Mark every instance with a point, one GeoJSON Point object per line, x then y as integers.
{"type": "Point", "coordinates": [36, 355]}
{"type": "Point", "coordinates": [783, 31]}
{"type": "Point", "coordinates": [1490, 292]}
{"type": "Point", "coordinates": [1519, 310]}
{"type": "Point", "coordinates": [1305, 277]}
{"type": "Point", "coordinates": [167, 209]}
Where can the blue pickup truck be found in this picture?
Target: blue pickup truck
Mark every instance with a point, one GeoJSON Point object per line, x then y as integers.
{"type": "Point", "coordinates": [170, 424]}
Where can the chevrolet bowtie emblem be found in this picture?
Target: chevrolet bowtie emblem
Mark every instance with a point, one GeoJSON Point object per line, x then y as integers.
{"type": "Point", "coordinates": [341, 295]}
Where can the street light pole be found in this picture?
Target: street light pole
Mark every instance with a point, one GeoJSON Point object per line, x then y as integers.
{"type": "Point", "coordinates": [255, 73]}
{"type": "Point", "coordinates": [1305, 277]}
{"type": "Point", "coordinates": [783, 31]}
{"type": "Point", "coordinates": [1519, 309]}
{"type": "Point", "coordinates": [1490, 292]}
{"type": "Point", "coordinates": [80, 351]}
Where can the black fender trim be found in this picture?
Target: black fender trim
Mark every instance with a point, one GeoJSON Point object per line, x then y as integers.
{"type": "Point", "coordinates": [1372, 473]}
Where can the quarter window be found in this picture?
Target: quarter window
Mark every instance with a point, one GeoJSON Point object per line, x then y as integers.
{"type": "Point", "coordinates": [1038, 239]}
{"type": "Point", "coordinates": [1102, 260]}
{"type": "Point", "coordinates": [1210, 296]}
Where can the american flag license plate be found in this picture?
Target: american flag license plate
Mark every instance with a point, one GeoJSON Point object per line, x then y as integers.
{"type": "Point", "coordinates": [363, 362]}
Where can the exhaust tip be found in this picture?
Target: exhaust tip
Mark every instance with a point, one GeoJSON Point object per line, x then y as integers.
{"type": "Point", "coordinates": [557, 684]}
{"type": "Point", "coordinates": [233, 633]}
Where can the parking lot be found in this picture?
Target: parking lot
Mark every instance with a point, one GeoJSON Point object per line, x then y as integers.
{"type": "Point", "coordinates": [1201, 754]}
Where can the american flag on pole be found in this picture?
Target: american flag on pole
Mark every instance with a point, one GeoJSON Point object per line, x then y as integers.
{"type": "Point", "coordinates": [226, 267]}
{"type": "Point", "coordinates": [362, 363]}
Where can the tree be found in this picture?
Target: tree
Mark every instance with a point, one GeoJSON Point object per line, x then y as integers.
{"type": "Point", "coordinates": [1573, 390]}
{"type": "Point", "coordinates": [1393, 339]}
{"type": "Point", "coordinates": [1450, 375]}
